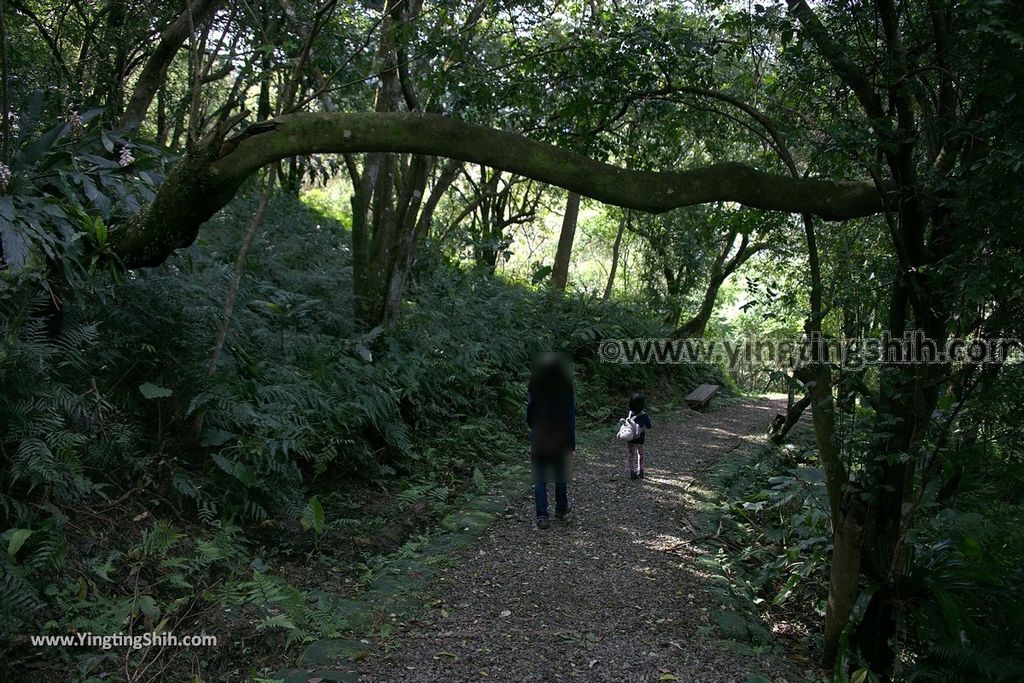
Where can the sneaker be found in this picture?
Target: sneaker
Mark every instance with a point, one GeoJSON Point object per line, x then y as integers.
{"type": "Point", "coordinates": [543, 523]}
{"type": "Point", "coordinates": [561, 514]}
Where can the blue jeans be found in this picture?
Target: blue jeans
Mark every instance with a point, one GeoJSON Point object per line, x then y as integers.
{"type": "Point", "coordinates": [542, 474]}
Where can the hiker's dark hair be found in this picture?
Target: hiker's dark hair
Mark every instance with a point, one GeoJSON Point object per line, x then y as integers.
{"type": "Point", "coordinates": [551, 376]}
{"type": "Point", "coordinates": [637, 403]}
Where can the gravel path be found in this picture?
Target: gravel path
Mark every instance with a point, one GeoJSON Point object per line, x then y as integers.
{"type": "Point", "coordinates": [614, 593]}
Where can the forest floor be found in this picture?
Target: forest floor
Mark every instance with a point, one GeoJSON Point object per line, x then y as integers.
{"type": "Point", "coordinates": [616, 592]}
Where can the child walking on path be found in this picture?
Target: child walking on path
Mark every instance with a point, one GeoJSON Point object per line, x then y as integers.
{"type": "Point", "coordinates": [635, 447]}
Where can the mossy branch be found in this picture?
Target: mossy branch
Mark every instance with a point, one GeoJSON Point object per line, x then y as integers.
{"type": "Point", "coordinates": [204, 182]}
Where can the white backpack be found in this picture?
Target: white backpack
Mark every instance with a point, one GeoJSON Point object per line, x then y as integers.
{"type": "Point", "coordinates": [628, 428]}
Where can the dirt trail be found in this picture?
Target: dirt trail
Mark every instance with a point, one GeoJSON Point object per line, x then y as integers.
{"type": "Point", "coordinates": [615, 593]}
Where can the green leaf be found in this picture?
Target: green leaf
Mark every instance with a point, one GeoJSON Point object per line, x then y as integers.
{"type": "Point", "coordinates": [99, 231]}
{"type": "Point", "coordinates": [787, 590]}
{"type": "Point", "coordinates": [18, 539]}
{"type": "Point", "coordinates": [148, 607]}
{"type": "Point", "coordinates": [103, 570]}
{"type": "Point", "coordinates": [215, 437]}
{"type": "Point", "coordinates": [541, 273]}
{"type": "Point", "coordinates": [235, 469]}
{"type": "Point", "coordinates": [99, 200]}
{"type": "Point", "coordinates": [15, 245]}
{"type": "Point", "coordinates": [859, 676]}
{"type": "Point", "coordinates": [313, 515]}
{"type": "Point", "coordinates": [150, 390]}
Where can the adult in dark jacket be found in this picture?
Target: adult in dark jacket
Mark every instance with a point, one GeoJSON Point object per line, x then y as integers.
{"type": "Point", "coordinates": [551, 416]}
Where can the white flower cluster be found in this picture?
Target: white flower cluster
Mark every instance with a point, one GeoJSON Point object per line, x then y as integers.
{"type": "Point", "coordinates": [125, 158]}
{"type": "Point", "coordinates": [75, 121]}
{"type": "Point", "coordinates": [14, 122]}
{"type": "Point", "coordinates": [5, 176]}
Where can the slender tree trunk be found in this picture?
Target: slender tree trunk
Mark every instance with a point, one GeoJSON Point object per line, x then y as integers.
{"type": "Point", "coordinates": [154, 72]}
{"type": "Point", "coordinates": [109, 87]}
{"type": "Point", "coordinates": [623, 222]}
{"type": "Point", "coordinates": [489, 217]}
{"type": "Point", "coordinates": [236, 276]}
{"type": "Point", "coordinates": [375, 232]}
{"type": "Point", "coordinates": [404, 241]}
{"type": "Point", "coordinates": [161, 117]}
{"type": "Point", "coordinates": [695, 326]}
{"type": "Point", "coordinates": [673, 287]}
{"type": "Point", "coordinates": [721, 269]}
{"type": "Point", "coordinates": [361, 221]}
{"type": "Point", "coordinates": [846, 512]}
{"type": "Point", "coordinates": [178, 127]}
{"type": "Point", "coordinates": [845, 572]}
{"type": "Point", "coordinates": [781, 427]}
{"type": "Point", "coordinates": [263, 102]}
{"type": "Point", "coordinates": [264, 108]}
{"type": "Point", "coordinates": [227, 313]}
{"type": "Point", "coordinates": [5, 100]}
{"type": "Point", "coordinates": [563, 255]}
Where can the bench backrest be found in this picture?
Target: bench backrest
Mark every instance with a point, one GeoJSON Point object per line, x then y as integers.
{"type": "Point", "coordinates": [703, 393]}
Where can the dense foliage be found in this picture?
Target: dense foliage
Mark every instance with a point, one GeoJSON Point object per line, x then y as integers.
{"type": "Point", "coordinates": [138, 479]}
{"type": "Point", "coordinates": [227, 373]}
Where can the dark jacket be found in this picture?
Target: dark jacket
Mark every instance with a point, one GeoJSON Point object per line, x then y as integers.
{"type": "Point", "coordinates": [552, 422]}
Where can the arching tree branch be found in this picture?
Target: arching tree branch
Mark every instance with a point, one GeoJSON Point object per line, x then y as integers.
{"type": "Point", "coordinates": [205, 181]}
{"type": "Point", "coordinates": [154, 73]}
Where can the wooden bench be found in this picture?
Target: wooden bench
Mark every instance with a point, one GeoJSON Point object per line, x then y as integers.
{"type": "Point", "coordinates": [699, 398]}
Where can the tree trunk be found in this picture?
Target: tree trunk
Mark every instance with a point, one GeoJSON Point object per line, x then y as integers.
{"type": "Point", "coordinates": [161, 118]}
{"type": "Point", "coordinates": [179, 127]}
{"type": "Point", "coordinates": [385, 231]}
{"type": "Point", "coordinates": [560, 272]}
{"type": "Point", "coordinates": [110, 68]}
{"type": "Point", "coordinates": [5, 100]}
{"type": "Point", "coordinates": [489, 216]}
{"type": "Point", "coordinates": [361, 197]}
{"type": "Point", "coordinates": [401, 251]}
{"type": "Point", "coordinates": [846, 520]}
{"type": "Point", "coordinates": [783, 424]}
{"type": "Point", "coordinates": [845, 573]}
{"type": "Point", "coordinates": [623, 222]}
{"type": "Point", "coordinates": [236, 276]}
{"type": "Point", "coordinates": [720, 272]}
{"type": "Point", "coordinates": [695, 326]}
